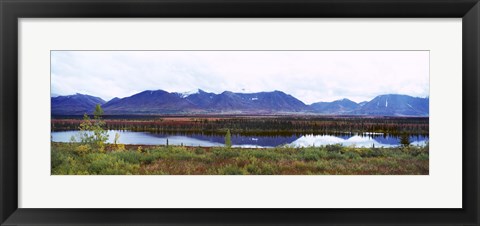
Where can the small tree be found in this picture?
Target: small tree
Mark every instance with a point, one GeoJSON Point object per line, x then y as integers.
{"type": "Point", "coordinates": [167, 142]}
{"type": "Point", "coordinates": [100, 135]}
{"type": "Point", "coordinates": [87, 127]}
{"type": "Point", "coordinates": [98, 112]}
{"type": "Point", "coordinates": [228, 140]}
{"type": "Point", "coordinates": [71, 144]}
{"type": "Point", "coordinates": [117, 136]}
{"type": "Point", "coordinates": [405, 140]}
{"type": "Point", "coordinates": [118, 146]}
{"type": "Point", "coordinates": [72, 139]}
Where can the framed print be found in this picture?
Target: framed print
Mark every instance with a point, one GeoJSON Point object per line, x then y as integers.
{"type": "Point", "coordinates": [273, 117]}
{"type": "Point", "coordinates": [268, 112]}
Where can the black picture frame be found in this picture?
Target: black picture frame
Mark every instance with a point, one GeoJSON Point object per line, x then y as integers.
{"type": "Point", "coordinates": [12, 10]}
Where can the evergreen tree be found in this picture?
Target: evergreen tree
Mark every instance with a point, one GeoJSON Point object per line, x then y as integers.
{"type": "Point", "coordinates": [405, 140]}
{"type": "Point", "coordinates": [98, 112]}
{"type": "Point", "coordinates": [228, 139]}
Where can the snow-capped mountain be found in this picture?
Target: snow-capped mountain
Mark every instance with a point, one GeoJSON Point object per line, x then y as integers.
{"type": "Point", "coordinates": [201, 102]}
{"type": "Point", "coordinates": [395, 105]}
{"type": "Point", "coordinates": [162, 102]}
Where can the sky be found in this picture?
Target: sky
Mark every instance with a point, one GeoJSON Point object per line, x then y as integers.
{"type": "Point", "coordinates": [310, 76]}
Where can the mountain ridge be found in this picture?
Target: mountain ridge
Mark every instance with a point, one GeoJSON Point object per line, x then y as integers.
{"type": "Point", "coordinates": [74, 104]}
{"type": "Point", "coordinates": [272, 102]}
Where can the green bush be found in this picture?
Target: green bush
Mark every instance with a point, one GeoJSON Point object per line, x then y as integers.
{"type": "Point", "coordinates": [82, 149]}
{"type": "Point", "coordinates": [312, 154]}
{"type": "Point", "coordinates": [334, 147]}
{"type": "Point", "coordinates": [57, 158]}
{"type": "Point", "coordinates": [129, 157]}
{"type": "Point", "coordinates": [352, 155]}
{"type": "Point", "coordinates": [423, 156]}
{"type": "Point", "coordinates": [231, 170]}
{"type": "Point", "coordinates": [224, 154]}
{"type": "Point", "coordinates": [199, 151]}
{"type": "Point", "coordinates": [256, 168]}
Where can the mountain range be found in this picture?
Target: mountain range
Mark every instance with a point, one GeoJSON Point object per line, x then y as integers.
{"type": "Point", "coordinates": [74, 104]}
{"type": "Point", "coordinates": [201, 102]}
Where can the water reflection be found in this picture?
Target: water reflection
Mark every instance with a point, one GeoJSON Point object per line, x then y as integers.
{"type": "Point", "coordinates": [357, 141]}
{"type": "Point", "coordinates": [145, 138]}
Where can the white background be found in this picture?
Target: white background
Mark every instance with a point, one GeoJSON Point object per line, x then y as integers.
{"type": "Point", "coordinates": [441, 189]}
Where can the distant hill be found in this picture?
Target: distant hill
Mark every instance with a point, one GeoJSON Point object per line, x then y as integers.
{"type": "Point", "coordinates": [395, 105]}
{"type": "Point", "coordinates": [363, 103]}
{"type": "Point", "coordinates": [74, 104]}
{"type": "Point", "coordinates": [201, 102]}
{"type": "Point", "coordinates": [342, 106]}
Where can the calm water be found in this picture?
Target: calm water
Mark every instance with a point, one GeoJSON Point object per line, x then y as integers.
{"type": "Point", "coordinates": [146, 138]}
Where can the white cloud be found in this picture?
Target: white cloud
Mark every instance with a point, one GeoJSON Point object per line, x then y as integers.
{"type": "Point", "coordinates": [310, 76]}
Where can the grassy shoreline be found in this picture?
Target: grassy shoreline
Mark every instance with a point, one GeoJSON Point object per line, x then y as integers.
{"type": "Point", "coordinates": [69, 159]}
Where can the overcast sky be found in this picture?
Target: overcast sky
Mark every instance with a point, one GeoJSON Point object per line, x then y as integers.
{"type": "Point", "coordinates": [310, 76]}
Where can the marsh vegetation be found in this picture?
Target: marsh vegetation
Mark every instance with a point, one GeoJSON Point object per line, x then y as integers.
{"type": "Point", "coordinates": [97, 148]}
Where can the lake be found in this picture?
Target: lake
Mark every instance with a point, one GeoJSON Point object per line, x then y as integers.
{"type": "Point", "coordinates": [145, 138]}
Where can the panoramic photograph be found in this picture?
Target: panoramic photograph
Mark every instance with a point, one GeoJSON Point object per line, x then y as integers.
{"type": "Point", "coordinates": [239, 112]}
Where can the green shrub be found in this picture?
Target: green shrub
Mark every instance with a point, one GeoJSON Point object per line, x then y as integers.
{"type": "Point", "coordinates": [311, 154]}
{"type": "Point", "coordinates": [82, 149]}
{"type": "Point", "coordinates": [367, 152]}
{"type": "Point", "coordinates": [199, 151]}
{"type": "Point", "coordinates": [258, 168]}
{"type": "Point", "coordinates": [231, 170]}
{"type": "Point", "coordinates": [119, 167]}
{"type": "Point", "coordinates": [263, 154]}
{"type": "Point", "coordinates": [224, 154]}
{"type": "Point", "coordinates": [334, 147]}
{"type": "Point", "coordinates": [57, 159]}
{"type": "Point", "coordinates": [128, 156]}
{"type": "Point", "coordinates": [352, 155]}
{"type": "Point", "coordinates": [99, 163]}
{"type": "Point", "coordinates": [321, 165]}
{"type": "Point", "coordinates": [423, 156]}
{"type": "Point", "coordinates": [336, 155]}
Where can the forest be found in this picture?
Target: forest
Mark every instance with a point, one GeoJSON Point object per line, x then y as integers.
{"type": "Point", "coordinates": [259, 124]}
